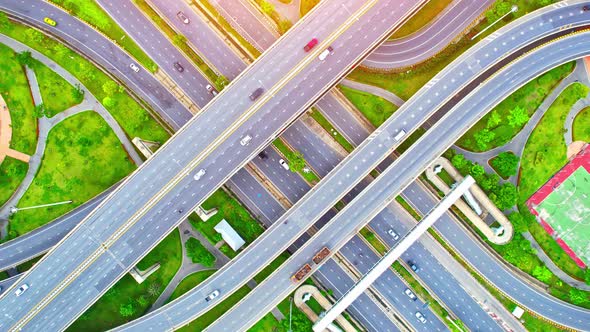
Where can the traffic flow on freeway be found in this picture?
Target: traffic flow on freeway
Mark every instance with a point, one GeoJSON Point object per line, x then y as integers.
{"type": "Point", "coordinates": [99, 239]}
{"type": "Point", "coordinates": [108, 235]}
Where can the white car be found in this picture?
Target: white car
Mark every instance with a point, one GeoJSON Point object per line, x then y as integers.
{"type": "Point", "coordinates": [284, 164]}
{"type": "Point", "coordinates": [21, 290]}
{"type": "Point", "coordinates": [211, 90]}
{"type": "Point", "coordinates": [245, 140]}
{"type": "Point", "coordinates": [393, 234]}
{"type": "Point", "coordinates": [199, 174]}
{"type": "Point", "coordinates": [325, 53]}
{"type": "Point", "coordinates": [420, 317]}
{"type": "Point", "coordinates": [134, 67]}
{"type": "Point", "coordinates": [212, 296]}
{"type": "Point", "coordinates": [410, 294]}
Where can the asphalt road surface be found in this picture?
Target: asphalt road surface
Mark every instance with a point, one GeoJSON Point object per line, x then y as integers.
{"type": "Point", "coordinates": [407, 167]}
{"type": "Point", "coordinates": [72, 282]}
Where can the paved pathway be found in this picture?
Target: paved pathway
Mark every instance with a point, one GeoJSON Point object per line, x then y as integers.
{"type": "Point", "coordinates": [387, 95]}
{"type": "Point", "coordinates": [554, 268]}
{"type": "Point", "coordinates": [46, 124]}
{"type": "Point", "coordinates": [569, 120]}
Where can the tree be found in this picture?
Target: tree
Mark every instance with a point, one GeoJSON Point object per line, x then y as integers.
{"type": "Point", "coordinates": [578, 296]}
{"type": "Point", "coordinates": [542, 273]}
{"type": "Point", "coordinates": [483, 137]}
{"type": "Point", "coordinates": [221, 82]}
{"type": "Point", "coordinates": [519, 222]}
{"type": "Point", "coordinates": [39, 111]}
{"type": "Point", "coordinates": [5, 23]}
{"type": "Point", "coordinates": [296, 161]}
{"type": "Point", "coordinates": [25, 58]}
{"type": "Point", "coordinates": [460, 162]}
{"type": "Point", "coordinates": [518, 116]}
{"type": "Point", "coordinates": [477, 170]}
{"type": "Point", "coordinates": [587, 276]}
{"type": "Point", "coordinates": [505, 196]}
{"type": "Point", "coordinates": [179, 40]}
{"type": "Point", "coordinates": [493, 120]}
{"type": "Point", "coordinates": [142, 301]}
{"type": "Point", "coordinates": [35, 35]}
{"type": "Point", "coordinates": [110, 88]}
{"type": "Point", "coordinates": [267, 7]}
{"type": "Point", "coordinates": [198, 253]}
{"type": "Point", "coordinates": [506, 164]}
{"type": "Point", "coordinates": [284, 26]}
{"type": "Point", "coordinates": [78, 93]}
{"type": "Point", "coordinates": [126, 310]}
{"type": "Point", "coordinates": [108, 102]}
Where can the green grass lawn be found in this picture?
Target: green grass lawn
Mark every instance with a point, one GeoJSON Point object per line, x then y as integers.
{"type": "Point", "coordinates": [529, 97]}
{"type": "Point", "coordinates": [12, 173]}
{"type": "Point", "coordinates": [424, 16]}
{"type": "Point", "coordinates": [104, 314]}
{"type": "Point", "coordinates": [190, 282]}
{"type": "Point", "coordinates": [229, 209]}
{"type": "Point", "coordinates": [322, 121]}
{"type": "Point", "coordinates": [198, 253]}
{"type": "Point", "coordinates": [14, 88]}
{"type": "Point", "coordinates": [406, 83]}
{"type": "Point", "coordinates": [83, 157]}
{"type": "Point", "coordinates": [581, 127]}
{"type": "Point", "coordinates": [130, 115]}
{"type": "Point", "coordinates": [375, 109]}
{"type": "Point", "coordinates": [58, 95]}
{"type": "Point", "coordinates": [545, 150]}
{"type": "Point", "coordinates": [90, 12]}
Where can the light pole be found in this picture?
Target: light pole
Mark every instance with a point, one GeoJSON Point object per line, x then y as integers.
{"type": "Point", "coordinates": [513, 9]}
{"type": "Point", "coordinates": [14, 209]}
{"type": "Point", "coordinates": [290, 313]}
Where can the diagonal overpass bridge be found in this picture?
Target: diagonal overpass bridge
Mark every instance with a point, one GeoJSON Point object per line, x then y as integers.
{"type": "Point", "coordinates": [151, 202]}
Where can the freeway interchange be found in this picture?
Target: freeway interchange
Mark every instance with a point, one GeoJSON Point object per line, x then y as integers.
{"type": "Point", "coordinates": [172, 213]}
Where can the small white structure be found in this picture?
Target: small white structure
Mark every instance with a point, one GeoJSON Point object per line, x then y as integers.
{"type": "Point", "coordinates": [230, 236]}
{"type": "Point", "coordinates": [517, 312]}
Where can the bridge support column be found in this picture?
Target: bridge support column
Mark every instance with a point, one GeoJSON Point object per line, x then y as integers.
{"type": "Point", "coordinates": [393, 254]}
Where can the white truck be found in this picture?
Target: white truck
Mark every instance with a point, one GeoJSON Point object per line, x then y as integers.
{"type": "Point", "coordinates": [399, 135]}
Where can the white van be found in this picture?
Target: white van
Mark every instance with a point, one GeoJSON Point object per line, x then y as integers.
{"type": "Point", "coordinates": [399, 135]}
{"type": "Point", "coordinates": [199, 174]}
{"type": "Point", "coordinates": [245, 140]}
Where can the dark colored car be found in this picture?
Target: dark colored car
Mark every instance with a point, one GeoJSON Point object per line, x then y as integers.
{"type": "Point", "coordinates": [256, 93]}
{"type": "Point", "coordinates": [178, 67]}
{"type": "Point", "coordinates": [413, 266]}
{"type": "Point", "coordinates": [586, 8]}
{"type": "Point", "coordinates": [183, 18]}
{"type": "Point", "coordinates": [312, 43]}
{"type": "Point", "coordinates": [262, 155]}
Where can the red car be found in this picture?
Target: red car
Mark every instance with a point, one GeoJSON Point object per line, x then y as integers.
{"type": "Point", "coordinates": [310, 45]}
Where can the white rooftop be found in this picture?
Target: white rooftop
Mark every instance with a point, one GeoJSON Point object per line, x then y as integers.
{"type": "Point", "coordinates": [229, 235]}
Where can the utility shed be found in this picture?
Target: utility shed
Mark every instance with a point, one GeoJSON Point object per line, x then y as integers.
{"type": "Point", "coordinates": [229, 235]}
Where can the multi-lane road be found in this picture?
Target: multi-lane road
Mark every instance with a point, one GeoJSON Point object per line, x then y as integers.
{"type": "Point", "coordinates": [105, 242]}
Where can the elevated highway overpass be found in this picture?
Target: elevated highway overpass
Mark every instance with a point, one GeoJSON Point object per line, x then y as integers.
{"type": "Point", "coordinates": [406, 168]}
{"type": "Point", "coordinates": [465, 74]}
{"type": "Point", "coordinates": [123, 228]}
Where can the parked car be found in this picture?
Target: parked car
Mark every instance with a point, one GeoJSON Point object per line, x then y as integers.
{"type": "Point", "coordinates": [178, 67]}
{"type": "Point", "coordinates": [212, 296]}
{"type": "Point", "coordinates": [256, 93]}
{"type": "Point", "coordinates": [183, 18]}
{"type": "Point", "coordinates": [420, 317]}
{"type": "Point", "coordinates": [134, 67]}
{"type": "Point", "coordinates": [325, 53]}
{"type": "Point", "coordinates": [199, 174]}
{"type": "Point", "coordinates": [393, 234]}
{"type": "Point", "coordinates": [23, 288]}
{"type": "Point", "coordinates": [49, 21]}
{"type": "Point", "coordinates": [245, 140]}
{"type": "Point", "coordinates": [211, 89]}
{"type": "Point", "coordinates": [413, 266]}
{"type": "Point", "coordinates": [410, 294]}
{"type": "Point", "coordinates": [311, 44]}
{"type": "Point", "coordinates": [284, 164]}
